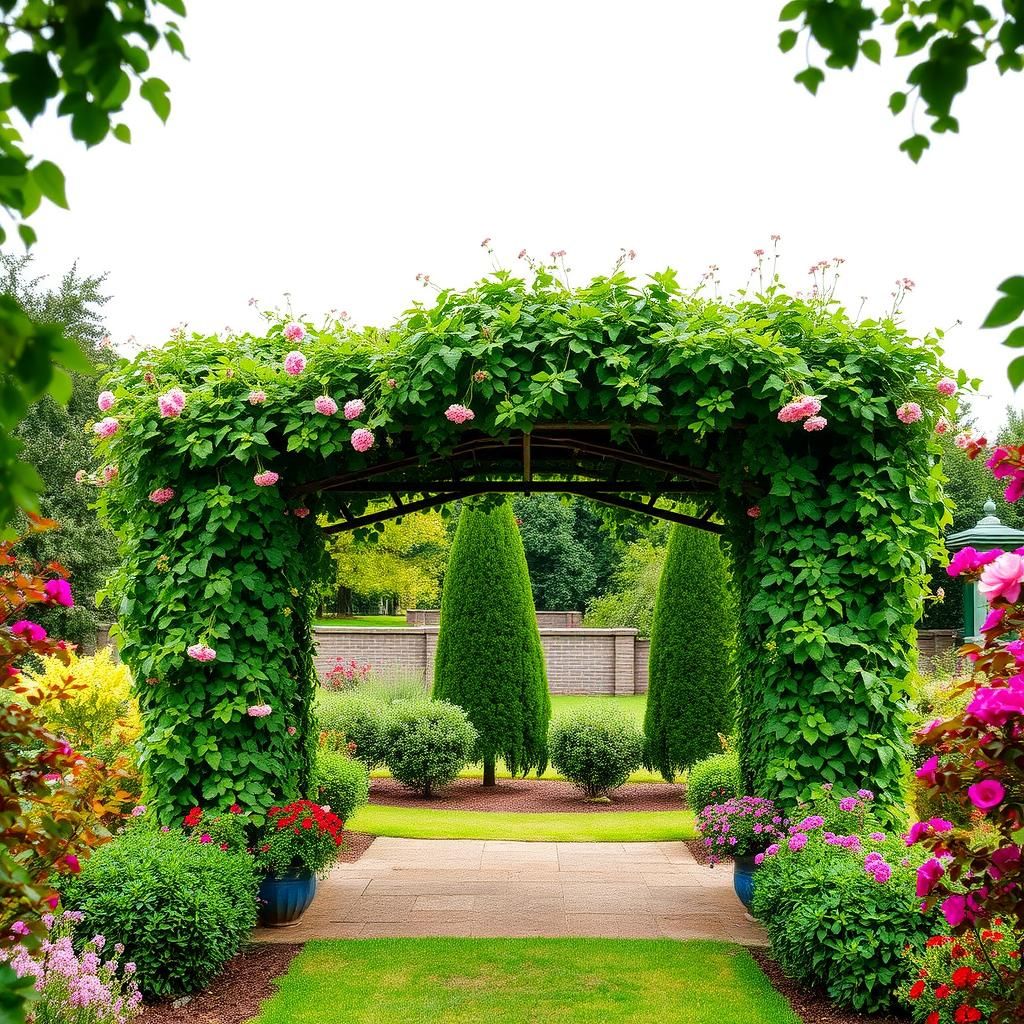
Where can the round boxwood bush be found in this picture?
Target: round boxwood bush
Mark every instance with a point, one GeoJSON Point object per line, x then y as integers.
{"type": "Point", "coordinates": [182, 908]}
{"type": "Point", "coordinates": [356, 717]}
{"type": "Point", "coordinates": [595, 749]}
{"type": "Point", "coordinates": [713, 781]}
{"type": "Point", "coordinates": [427, 743]}
{"type": "Point", "coordinates": [340, 781]}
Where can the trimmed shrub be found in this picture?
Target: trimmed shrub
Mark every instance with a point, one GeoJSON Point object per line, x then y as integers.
{"type": "Point", "coordinates": [427, 743]}
{"type": "Point", "coordinates": [358, 719]}
{"type": "Point", "coordinates": [693, 640]}
{"type": "Point", "coordinates": [838, 900]}
{"type": "Point", "coordinates": [181, 908]}
{"type": "Point", "coordinates": [340, 781]}
{"type": "Point", "coordinates": [713, 781]}
{"type": "Point", "coordinates": [489, 657]}
{"type": "Point", "coordinates": [595, 749]}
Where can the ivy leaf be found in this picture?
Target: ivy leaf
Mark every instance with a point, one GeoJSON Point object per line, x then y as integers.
{"type": "Point", "coordinates": [898, 102]}
{"type": "Point", "coordinates": [810, 78]}
{"type": "Point", "coordinates": [154, 92]}
{"type": "Point", "coordinates": [915, 146]}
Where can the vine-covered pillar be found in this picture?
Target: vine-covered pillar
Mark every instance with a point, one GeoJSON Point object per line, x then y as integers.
{"type": "Point", "coordinates": [829, 550]}
{"type": "Point", "coordinates": [215, 622]}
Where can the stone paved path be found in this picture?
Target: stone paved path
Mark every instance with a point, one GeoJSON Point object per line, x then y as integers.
{"type": "Point", "coordinates": [415, 887]}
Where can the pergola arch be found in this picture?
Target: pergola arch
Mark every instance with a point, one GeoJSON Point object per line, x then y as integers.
{"type": "Point", "coordinates": [635, 395]}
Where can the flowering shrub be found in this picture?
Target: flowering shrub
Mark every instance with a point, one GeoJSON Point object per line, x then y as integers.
{"type": "Point", "coordinates": [301, 836]}
{"type": "Point", "coordinates": [90, 986]}
{"type": "Point", "coordinates": [180, 907]}
{"type": "Point", "coordinates": [837, 898]}
{"type": "Point", "coordinates": [714, 780]}
{"type": "Point", "coordinates": [744, 826]}
{"type": "Point", "coordinates": [830, 571]}
{"type": "Point", "coordinates": [346, 675]}
{"type": "Point", "coordinates": [952, 974]}
{"type": "Point", "coordinates": [228, 830]}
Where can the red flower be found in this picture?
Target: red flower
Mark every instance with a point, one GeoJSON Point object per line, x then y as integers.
{"type": "Point", "coordinates": [964, 977]}
{"type": "Point", "coordinates": [937, 940]}
{"type": "Point", "coordinates": [917, 990]}
{"type": "Point", "coordinates": [235, 809]}
{"type": "Point", "coordinates": [942, 992]}
{"type": "Point", "coordinates": [966, 1014]}
{"type": "Point", "coordinates": [193, 817]}
{"type": "Point", "coordinates": [932, 1018]}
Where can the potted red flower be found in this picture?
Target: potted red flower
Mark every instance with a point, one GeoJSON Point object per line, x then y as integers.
{"type": "Point", "coordinates": [298, 842]}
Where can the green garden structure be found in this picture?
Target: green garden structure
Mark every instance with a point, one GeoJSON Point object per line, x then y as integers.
{"type": "Point", "coordinates": [989, 532]}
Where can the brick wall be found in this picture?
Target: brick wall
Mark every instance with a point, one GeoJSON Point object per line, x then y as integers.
{"type": "Point", "coordinates": [556, 620]}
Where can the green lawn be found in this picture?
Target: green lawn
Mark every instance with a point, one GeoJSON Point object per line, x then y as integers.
{"type": "Point", "coordinates": [581, 826]}
{"type": "Point", "coordinates": [521, 981]}
{"type": "Point", "coordinates": [363, 620]}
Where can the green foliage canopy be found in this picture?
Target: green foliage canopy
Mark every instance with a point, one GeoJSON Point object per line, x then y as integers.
{"type": "Point", "coordinates": [829, 573]}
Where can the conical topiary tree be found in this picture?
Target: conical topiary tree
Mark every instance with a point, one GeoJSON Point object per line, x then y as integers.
{"type": "Point", "coordinates": [489, 659]}
{"type": "Point", "coordinates": [693, 641]}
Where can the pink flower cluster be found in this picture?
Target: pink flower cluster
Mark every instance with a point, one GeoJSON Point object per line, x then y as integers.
{"type": "Point", "coordinates": [909, 412]}
{"type": "Point", "coordinates": [459, 414]}
{"type": "Point", "coordinates": [294, 363]}
{"type": "Point", "coordinates": [800, 409]}
{"type": "Point", "coordinates": [172, 403]}
{"type": "Point", "coordinates": [946, 386]}
{"type": "Point", "coordinates": [106, 427]}
{"type": "Point", "coordinates": [325, 405]}
{"type": "Point", "coordinates": [258, 710]}
{"type": "Point", "coordinates": [1003, 466]}
{"type": "Point", "coordinates": [266, 479]}
{"type": "Point", "coordinates": [257, 397]}
{"type": "Point", "coordinates": [362, 439]}
{"type": "Point", "coordinates": [876, 866]}
{"type": "Point", "coordinates": [294, 331]}
{"type": "Point", "coordinates": [200, 652]}
{"type": "Point", "coordinates": [354, 408]}
{"type": "Point", "coordinates": [161, 495]}
{"type": "Point", "coordinates": [105, 400]}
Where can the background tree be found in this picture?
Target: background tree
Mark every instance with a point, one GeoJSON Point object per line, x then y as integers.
{"type": "Point", "coordinates": [56, 444]}
{"type": "Point", "coordinates": [489, 658]}
{"type": "Point", "coordinates": [945, 39]}
{"type": "Point", "coordinates": [629, 602]}
{"type": "Point", "coordinates": [401, 569]}
{"type": "Point", "coordinates": [693, 641]}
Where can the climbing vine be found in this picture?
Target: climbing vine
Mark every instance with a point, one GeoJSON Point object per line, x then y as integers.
{"type": "Point", "coordinates": [821, 429]}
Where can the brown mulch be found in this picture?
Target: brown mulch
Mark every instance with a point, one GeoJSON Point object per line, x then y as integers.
{"type": "Point", "coordinates": [354, 845]}
{"type": "Point", "coordinates": [236, 995]}
{"type": "Point", "coordinates": [702, 855]}
{"type": "Point", "coordinates": [529, 795]}
{"type": "Point", "coordinates": [810, 1006]}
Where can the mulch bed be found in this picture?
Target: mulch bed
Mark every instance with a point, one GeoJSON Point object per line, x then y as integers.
{"type": "Point", "coordinates": [529, 795]}
{"type": "Point", "coordinates": [236, 994]}
{"type": "Point", "coordinates": [355, 844]}
{"type": "Point", "coordinates": [702, 855]}
{"type": "Point", "coordinates": [810, 1006]}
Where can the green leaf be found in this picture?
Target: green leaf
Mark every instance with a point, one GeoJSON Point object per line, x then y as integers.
{"type": "Point", "coordinates": [33, 82]}
{"type": "Point", "coordinates": [787, 39]}
{"type": "Point", "coordinates": [1015, 339]}
{"type": "Point", "coordinates": [50, 180]}
{"type": "Point", "coordinates": [90, 124]}
{"type": "Point", "coordinates": [178, 6]}
{"type": "Point", "coordinates": [898, 102]}
{"type": "Point", "coordinates": [810, 78]}
{"type": "Point", "coordinates": [872, 49]}
{"type": "Point", "coordinates": [915, 146]}
{"type": "Point", "coordinates": [793, 10]}
{"type": "Point", "coordinates": [1005, 311]}
{"type": "Point", "coordinates": [154, 92]}
{"type": "Point", "coordinates": [1015, 372]}
{"type": "Point", "coordinates": [28, 235]}
{"type": "Point", "coordinates": [122, 133]}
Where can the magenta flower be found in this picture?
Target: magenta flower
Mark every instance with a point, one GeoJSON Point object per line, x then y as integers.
{"type": "Point", "coordinates": [909, 412]}
{"type": "Point", "coordinates": [954, 908]}
{"type": "Point", "coordinates": [882, 873]}
{"type": "Point", "coordinates": [59, 592]}
{"type": "Point", "coordinates": [20, 928]}
{"type": "Point", "coordinates": [946, 386]}
{"type": "Point", "coordinates": [849, 803]}
{"type": "Point", "coordinates": [106, 427]}
{"type": "Point", "coordinates": [161, 495]}
{"type": "Point", "coordinates": [325, 405]}
{"type": "Point", "coordinates": [362, 439]}
{"type": "Point", "coordinates": [105, 400]}
{"type": "Point", "coordinates": [996, 705]}
{"type": "Point", "coordinates": [354, 409]}
{"type": "Point", "coordinates": [32, 630]}
{"type": "Point", "coordinates": [928, 875]}
{"type": "Point", "coordinates": [138, 810]}
{"type": "Point", "coordinates": [257, 397]}
{"type": "Point", "coordinates": [295, 331]}
{"type": "Point", "coordinates": [1002, 578]}
{"type": "Point", "coordinates": [266, 479]}
{"type": "Point", "coordinates": [797, 842]}
{"type": "Point", "coordinates": [258, 710]}
{"type": "Point", "coordinates": [71, 861]}
{"type": "Point", "coordinates": [459, 413]}
{"type": "Point", "coordinates": [986, 794]}
{"type": "Point", "coordinates": [206, 838]}
{"type": "Point", "coordinates": [294, 363]}
{"type": "Point", "coordinates": [200, 652]}
{"type": "Point", "coordinates": [970, 560]}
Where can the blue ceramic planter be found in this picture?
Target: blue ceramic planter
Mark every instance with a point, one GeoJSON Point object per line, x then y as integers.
{"type": "Point", "coordinates": [743, 871]}
{"type": "Point", "coordinates": [284, 900]}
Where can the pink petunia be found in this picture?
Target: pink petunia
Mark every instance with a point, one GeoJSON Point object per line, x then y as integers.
{"type": "Point", "coordinates": [987, 794]}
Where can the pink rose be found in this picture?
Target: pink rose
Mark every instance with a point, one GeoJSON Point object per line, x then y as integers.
{"type": "Point", "coordinates": [259, 710]}
{"type": "Point", "coordinates": [200, 652]}
{"type": "Point", "coordinates": [171, 403]}
{"type": "Point", "coordinates": [813, 423]}
{"type": "Point", "coordinates": [105, 400]}
{"type": "Point", "coordinates": [942, 425]}
{"type": "Point", "coordinates": [754, 512]}
{"type": "Point", "coordinates": [1002, 578]}
{"type": "Point", "coordinates": [970, 560]}
{"type": "Point", "coordinates": [986, 794]}
{"type": "Point", "coordinates": [354, 409]}
{"type": "Point", "coordinates": [799, 409]}
{"type": "Point", "coordinates": [59, 592]}
{"type": "Point", "coordinates": [325, 405]}
{"type": "Point", "coordinates": [294, 363]}
{"type": "Point", "coordinates": [996, 705]}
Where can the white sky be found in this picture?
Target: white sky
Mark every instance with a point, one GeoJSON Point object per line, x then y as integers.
{"type": "Point", "coordinates": [335, 149]}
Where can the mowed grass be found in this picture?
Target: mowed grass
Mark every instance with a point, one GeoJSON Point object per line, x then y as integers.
{"type": "Point", "coordinates": [579, 827]}
{"type": "Point", "coordinates": [363, 620]}
{"type": "Point", "coordinates": [523, 981]}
